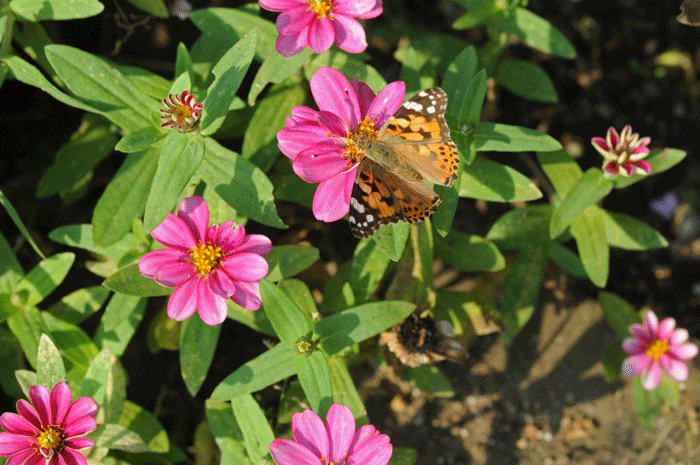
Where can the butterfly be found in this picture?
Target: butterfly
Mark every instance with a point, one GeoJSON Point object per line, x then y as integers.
{"type": "Point", "coordinates": [690, 13]}
{"type": "Point", "coordinates": [413, 145]}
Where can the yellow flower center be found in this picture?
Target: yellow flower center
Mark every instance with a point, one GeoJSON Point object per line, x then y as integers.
{"type": "Point", "coordinates": [321, 7]}
{"type": "Point", "coordinates": [359, 139]}
{"type": "Point", "coordinates": [657, 349]}
{"type": "Point", "coordinates": [51, 438]}
{"type": "Point", "coordinates": [182, 112]}
{"type": "Point", "coordinates": [206, 258]}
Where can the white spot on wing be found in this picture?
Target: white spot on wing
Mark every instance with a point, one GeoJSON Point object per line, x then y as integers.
{"type": "Point", "coordinates": [370, 218]}
{"type": "Point", "coordinates": [430, 109]}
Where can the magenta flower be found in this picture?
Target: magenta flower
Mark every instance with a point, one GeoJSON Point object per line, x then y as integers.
{"type": "Point", "coordinates": [206, 264]}
{"type": "Point", "coordinates": [182, 112]}
{"type": "Point", "coordinates": [657, 347]}
{"type": "Point", "coordinates": [319, 23]}
{"type": "Point", "coordinates": [327, 145]}
{"type": "Point", "coordinates": [48, 428]}
{"type": "Point", "coordinates": [335, 443]}
{"type": "Point", "coordinates": [623, 153]}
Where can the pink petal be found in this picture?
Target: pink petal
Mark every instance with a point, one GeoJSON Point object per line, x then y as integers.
{"type": "Point", "coordinates": [640, 149]}
{"type": "Point", "coordinates": [611, 167]}
{"type": "Point", "coordinates": [310, 432]}
{"type": "Point", "coordinates": [174, 232]}
{"type": "Point", "coordinates": [666, 328]}
{"type": "Point", "coordinates": [333, 124]}
{"type": "Point", "coordinates": [348, 182]}
{"type": "Point", "coordinates": [195, 213]}
{"type": "Point", "coordinates": [39, 397]}
{"type": "Point", "coordinates": [211, 307]}
{"type": "Point", "coordinates": [229, 236]}
{"type": "Point", "coordinates": [279, 5]}
{"type": "Point", "coordinates": [365, 96]}
{"type": "Point", "coordinates": [247, 295]}
{"type": "Point", "coordinates": [82, 407]}
{"type": "Point", "coordinates": [152, 261]}
{"type": "Point", "coordinates": [175, 274]}
{"type": "Point", "coordinates": [613, 137]}
{"type": "Point", "coordinates": [80, 426]}
{"type": "Point", "coordinates": [333, 92]}
{"type": "Point", "coordinates": [651, 377]}
{"type": "Point", "coordinates": [684, 351]}
{"type": "Point", "coordinates": [651, 322]}
{"type": "Point", "coordinates": [71, 457]}
{"type": "Point", "coordinates": [634, 346]}
{"type": "Point", "coordinates": [26, 411]}
{"type": "Point", "coordinates": [329, 200]}
{"type": "Point", "coordinates": [627, 169]}
{"type": "Point", "coordinates": [255, 243]}
{"type": "Point", "coordinates": [293, 20]}
{"type": "Point", "coordinates": [15, 424]}
{"type": "Point", "coordinates": [642, 166]}
{"type": "Point", "coordinates": [363, 433]}
{"type": "Point", "coordinates": [641, 332]}
{"type": "Point", "coordinates": [291, 141]}
{"type": "Point", "coordinates": [289, 45]}
{"type": "Point", "coordinates": [353, 7]}
{"type": "Point", "coordinates": [79, 443]}
{"type": "Point", "coordinates": [375, 451]}
{"type": "Point", "coordinates": [286, 452]}
{"type": "Point", "coordinates": [320, 163]}
{"type": "Point", "coordinates": [304, 115]}
{"type": "Point", "coordinates": [388, 100]}
{"type": "Point", "coordinates": [60, 402]}
{"type": "Point", "coordinates": [221, 284]}
{"type": "Point", "coordinates": [373, 12]}
{"type": "Point", "coordinates": [675, 369]}
{"type": "Point", "coordinates": [13, 443]}
{"type": "Point", "coordinates": [321, 35]}
{"type": "Point", "coordinates": [349, 34]}
{"type": "Point", "coordinates": [679, 336]}
{"type": "Point", "coordinates": [340, 425]}
{"type": "Point", "coordinates": [635, 364]}
{"type": "Point", "coordinates": [23, 457]}
{"type": "Point", "coordinates": [245, 266]}
{"type": "Point", "coordinates": [600, 144]}
{"type": "Point", "coordinates": [183, 301]}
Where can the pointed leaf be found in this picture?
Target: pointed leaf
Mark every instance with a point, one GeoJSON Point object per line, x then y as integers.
{"type": "Point", "coordinates": [522, 227]}
{"type": "Point", "coordinates": [227, 433]}
{"type": "Point", "coordinates": [44, 278]}
{"type": "Point", "coordinates": [563, 172]}
{"type": "Point", "coordinates": [631, 234]}
{"type": "Point", "coordinates": [589, 231]}
{"type": "Point", "coordinates": [197, 345]}
{"type": "Point", "coordinates": [5, 202]}
{"type": "Point", "coordinates": [430, 380]}
{"type": "Point", "coordinates": [50, 369]}
{"type": "Point", "coordinates": [119, 322]}
{"type": "Point", "coordinates": [113, 436]}
{"type": "Point", "coordinates": [590, 188]}
{"type": "Point", "coordinates": [289, 321]}
{"type": "Point", "coordinates": [276, 68]}
{"type": "Point", "coordinates": [619, 313]}
{"type": "Point", "coordinates": [659, 159]}
{"type": "Point", "coordinates": [154, 7]}
{"type": "Point", "coordinates": [488, 180]}
{"type": "Point", "coordinates": [38, 10]}
{"type": "Point", "coordinates": [468, 252]}
{"type": "Point", "coordinates": [11, 271]}
{"type": "Point", "coordinates": [130, 281]}
{"type": "Point", "coordinates": [139, 140]}
{"type": "Point", "coordinates": [105, 382]}
{"type": "Point", "coordinates": [143, 423]}
{"type": "Point", "coordinates": [527, 80]}
{"type": "Point", "coordinates": [286, 261]}
{"type": "Point", "coordinates": [315, 377]}
{"type": "Point", "coordinates": [537, 32]}
{"type": "Point", "coordinates": [344, 389]}
{"type": "Point", "coordinates": [369, 265]}
{"type": "Point", "coordinates": [257, 433]}
{"type": "Point", "coordinates": [79, 305]}
{"type": "Point", "coordinates": [391, 239]}
{"type": "Point", "coordinates": [458, 78]}
{"type": "Point", "coordinates": [505, 138]}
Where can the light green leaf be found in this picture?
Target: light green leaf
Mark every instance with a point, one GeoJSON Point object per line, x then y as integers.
{"type": "Point", "coordinates": [286, 261]}
{"type": "Point", "coordinates": [42, 10]}
{"type": "Point", "coordinates": [391, 239]}
{"type": "Point", "coordinates": [151, 84]}
{"type": "Point", "coordinates": [143, 423]}
{"type": "Point", "coordinates": [442, 218]}
{"type": "Point", "coordinates": [3, 26]}
{"type": "Point", "coordinates": [403, 456]}
{"type": "Point", "coordinates": [537, 32]}
{"type": "Point", "coordinates": [563, 172]}
{"type": "Point", "coordinates": [229, 72]}
{"type": "Point", "coordinates": [80, 236]}
{"type": "Point", "coordinates": [415, 73]}
{"type": "Point", "coordinates": [300, 294]}
{"type": "Point", "coordinates": [257, 434]}
{"type": "Point", "coordinates": [458, 78]}
{"type": "Point", "coordinates": [112, 436]}
{"type": "Point", "coordinates": [588, 189]}
{"type": "Point", "coordinates": [276, 68]}
{"type": "Point", "coordinates": [359, 323]}
{"type": "Point", "coordinates": [430, 380]}
{"type": "Point", "coordinates": [119, 322]}
{"type": "Point", "coordinates": [50, 369]}
{"type": "Point", "coordinates": [369, 265]}
{"type": "Point", "coordinates": [255, 320]}
{"type": "Point", "coordinates": [183, 61]}
{"type": "Point", "coordinates": [227, 433]}
{"type": "Point", "coordinates": [197, 345]}
{"type": "Point", "coordinates": [179, 158]}
{"type": "Point", "coordinates": [468, 252]}
{"type": "Point", "coordinates": [522, 227]}
{"type": "Point", "coordinates": [505, 138]}
{"type": "Point", "coordinates": [105, 382]}
{"type": "Point", "coordinates": [659, 159]}
{"type": "Point", "coordinates": [11, 271]}
{"type": "Point", "coordinates": [5, 202]}
{"type": "Point", "coordinates": [27, 325]}
{"type": "Point", "coordinates": [75, 346]}
{"type": "Point", "coordinates": [153, 7]}
{"type": "Point", "coordinates": [344, 389]}
{"type": "Point", "coordinates": [43, 279]}
{"type": "Point", "coordinates": [527, 80]}
{"type": "Point", "coordinates": [124, 198]}
{"type": "Point", "coordinates": [97, 81]}
{"type": "Point", "coordinates": [140, 139]}
{"type": "Point", "coordinates": [589, 231]}
{"type": "Point", "coordinates": [567, 260]}
{"type": "Point", "coordinates": [289, 321]}
{"type": "Point", "coordinates": [26, 379]}
{"type": "Point", "coordinates": [79, 305]}
{"type": "Point", "coordinates": [130, 281]}
{"type": "Point", "coordinates": [240, 183]}
{"type": "Point", "coordinates": [427, 43]}
{"type": "Point", "coordinates": [315, 377]}
{"type": "Point", "coordinates": [619, 313]}
{"type": "Point", "coordinates": [612, 361]}
{"type": "Point", "coordinates": [477, 16]}
{"type": "Point", "coordinates": [488, 180]}
{"type": "Point", "coordinates": [631, 234]}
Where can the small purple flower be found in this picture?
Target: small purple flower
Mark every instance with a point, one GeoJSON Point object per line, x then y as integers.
{"type": "Point", "coordinates": [656, 348]}
{"type": "Point", "coordinates": [207, 265]}
{"type": "Point", "coordinates": [50, 427]}
{"type": "Point", "coordinates": [319, 23]}
{"type": "Point", "coordinates": [623, 153]}
{"type": "Point", "coordinates": [182, 112]}
{"type": "Point", "coordinates": [334, 443]}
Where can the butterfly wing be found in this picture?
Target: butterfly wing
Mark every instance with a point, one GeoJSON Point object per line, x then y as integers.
{"type": "Point", "coordinates": [382, 196]}
{"type": "Point", "coordinates": [417, 135]}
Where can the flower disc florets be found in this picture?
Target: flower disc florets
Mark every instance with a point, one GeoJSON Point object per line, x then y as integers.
{"type": "Point", "coordinates": [623, 153]}
{"type": "Point", "coordinates": [182, 112]}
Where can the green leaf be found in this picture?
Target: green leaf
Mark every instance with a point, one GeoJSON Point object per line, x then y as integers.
{"type": "Point", "coordinates": [124, 198]}
{"type": "Point", "coordinates": [415, 73]}
{"type": "Point", "coordinates": [26, 379]}
{"type": "Point", "coordinates": [197, 345]}
{"type": "Point", "coordinates": [287, 260]}
{"type": "Point", "coordinates": [537, 32]}
{"type": "Point", "coordinates": [3, 26]}
{"type": "Point", "coordinates": [11, 271]}
{"type": "Point", "coordinates": [119, 322]}
{"type": "Point", "coordinates": [266, 369]}
{"type": "Point", "coordinates": [442, 218]}
{"type": "Point", "coordinates": [97, 81]}
{"type": "Point", "coordinates": [427, 43]}
{"type": "Point", "coordinates": [476, 16]}
{"type": "Point", "coordinates": [28, 325]}
{"type": "Point", "coordinates": [631, 234]}
{"type": "Point", "coordinates": [522, 227]}
{"type": "Point", "coordinates": [391, 239]}
{"type": "Point", "coordinates": [42, 10]}
{"type": "Point", "coordinates": [344, 389]}
{"type": "Point", "coordinates": [659, 159]}
{"type": "Point", "coordinates": [567, 260]}
{"type": "Point", "coordinates": [255, 320]}
{"type": "Point", "coordinates": [75, 345]}
{"type": "Point", "coordinates": [229, 72]}
{"type": "Point", "coordinates": [139, 140]}
{"type": "Point", "coordinates": [359, 323]}
{"type": "Point", "coordinates": [79, 305]}
{"type": "Point", "coordinates": [257, 434]}
{"type": "Point", "coordinates": [369, 265]}
{"type": "Point", "coordinates": [276, 68]}
{"type": "Point", "coordinates": [113, 436]}
{"type": "Point", "coordinates": [5, 202]}
{"type": "Point", "coordinates": [488, 180]}
{"type": "Point", "coordinates": [315, 377]}
{"type": "Point", "coordinates": [521, 289]}
{"type": "Point", "coordinates": [240, 183]}
{"type": "Point", "coordinates": [143, 423]}
{"type": "Point", "coordinates": [526, 79]}
{"type": "Point", "coordinates": [260, 140]}
{"type": "Point", "coordinates": [43, 279]}
{"type": "Point", "coordinates": [49, 364]}
{"type": "Point", "coordinates": [289, 321]}
{"type": "Point", "coordinates": [589, 231]}
{"type": "Point", "coordinates": [349, 66]}
{"type": "Point", "coordinates": [227, 433]}
{"type": "Point", "coordinates": [646, 404]}
{"type": "Point", "coordinates": [468, 252]}
{"type": "Point", "coordinates": [505, 138]}
{"type": "Point", "coordinates": [300, 294]}
{"type": "Point", "coordinates": [403, 456]}
{"type": "Point", "coordinates": [590, 188]}
{"type": "Point", "coordinates": [458, 78]}
{"type": "Point", "coordinates": [294, 189]}
{"type": "Point", "coordinates": [619, 313]}
{"type": "Point", "coordinates": [149, 83]}
{"type": "Point", "coordinates": [183, 61]}
{"type": "Point", "coordinates": [179, 158]}
{"type": "Point", "coordinates": [430, 380]}
{"type": "Point", "coordinates": [152, 7]}
{"type": "Point", "coordinates": [612, 361]}
{"type": "Point", "coordinates": [105, 382]}
{"type": "Point", "coordinates": [130, 281]}
{"type": "Point", "coordinates": [563, 172]}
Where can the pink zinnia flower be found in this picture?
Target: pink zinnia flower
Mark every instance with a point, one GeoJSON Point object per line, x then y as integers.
{"type": "Point", "coordinates": [326, 146]}
{"type": "Point", "coordinates": [182, 111]}
{"type": "Point", "coordinates": [337, 442]}
{"type": "Point", "coordinates": [319, 23]}
{"type": "Point", "coordinates": [48, 428]}
{"type": "Point", "coordinates": [206, 264]}
{"type": "Point", "coordinates": [623, 153]}
{"type": "Point", "coordinates": [657, 347]}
